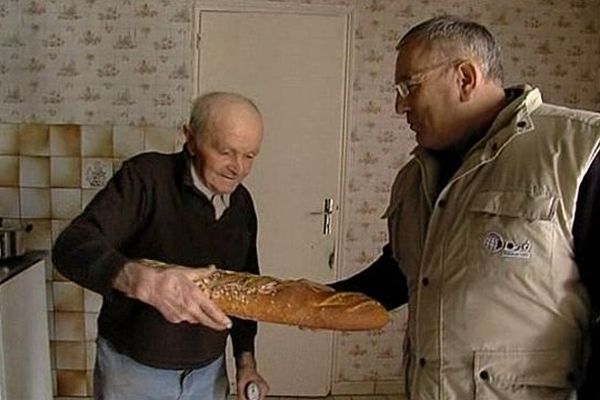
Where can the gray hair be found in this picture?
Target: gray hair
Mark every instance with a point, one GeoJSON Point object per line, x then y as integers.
{"type": "Point", "coordinates": [203, 109]}
{"type": "Point", "coordinates": [452, 33]}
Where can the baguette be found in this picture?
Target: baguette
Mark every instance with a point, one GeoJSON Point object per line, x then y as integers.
{"type": "Point", "coordinates": [290, 302]}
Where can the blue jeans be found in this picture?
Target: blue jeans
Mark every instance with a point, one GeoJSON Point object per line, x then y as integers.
{"type": "Point", "coordinates": [118, 377]}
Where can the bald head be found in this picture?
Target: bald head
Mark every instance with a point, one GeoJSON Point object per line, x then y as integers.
{"type": "Point", "coordinates": [205, 109]}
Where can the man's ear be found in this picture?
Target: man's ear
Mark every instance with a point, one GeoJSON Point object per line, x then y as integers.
{"type": "Point", "coordinates": [189, 139]}
{"type": "Point", "coordinates": [469, 77]}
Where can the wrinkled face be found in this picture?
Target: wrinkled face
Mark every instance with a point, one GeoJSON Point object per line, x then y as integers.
{"type": "Point", "coordinates": [431, 104]}
{"type": "Point", "coordinates": [227, 148]}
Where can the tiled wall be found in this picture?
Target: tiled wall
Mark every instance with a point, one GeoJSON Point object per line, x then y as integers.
{"type": "Point", "coordinates": [128, 65]}
{"type": "Point", "coordinates": [48, 173]}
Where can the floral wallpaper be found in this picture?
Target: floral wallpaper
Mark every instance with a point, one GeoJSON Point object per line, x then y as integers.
{"type": "Point", "coordinates": [128, 64]}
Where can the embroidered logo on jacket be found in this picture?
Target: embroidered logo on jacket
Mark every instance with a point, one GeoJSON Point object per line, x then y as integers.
{"type": "Point", "coordinates": [496, 244]}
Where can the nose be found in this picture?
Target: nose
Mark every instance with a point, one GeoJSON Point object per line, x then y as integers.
{"type": "Point", "coordinates": [236, 165]}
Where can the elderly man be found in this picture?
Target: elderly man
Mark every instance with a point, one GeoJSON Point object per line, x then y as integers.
{"type": "Point", "coordinates": [493, 224]}
{"type": "Point", "coordinates": [159, 336]}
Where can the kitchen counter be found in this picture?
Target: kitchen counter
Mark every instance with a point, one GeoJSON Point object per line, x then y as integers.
{"type": "Point", "coordinates": [11, 267]}
{"type": "Point", "coordinates": [25, 371]}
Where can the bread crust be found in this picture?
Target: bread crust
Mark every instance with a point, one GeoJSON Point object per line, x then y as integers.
{"type": "Point", "coordinates": [292, 302]}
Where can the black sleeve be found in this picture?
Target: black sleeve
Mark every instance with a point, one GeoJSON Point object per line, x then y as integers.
{"type": "Point", "coordinates": [382, 280]}
{"type": "Point", "coordinates": [586, 233]}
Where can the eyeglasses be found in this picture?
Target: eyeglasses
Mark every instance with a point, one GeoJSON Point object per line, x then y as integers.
{"type": "Point", "coordinates": [405, 87]}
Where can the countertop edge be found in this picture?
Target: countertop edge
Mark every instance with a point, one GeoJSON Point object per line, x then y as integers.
{"type": "Point", "coordinates": [13, 266]}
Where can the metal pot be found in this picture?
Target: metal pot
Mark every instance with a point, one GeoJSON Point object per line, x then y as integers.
{"type": "Point", "coordinates": [12, 243]}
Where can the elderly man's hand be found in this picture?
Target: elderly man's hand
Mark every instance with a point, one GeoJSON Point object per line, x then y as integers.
{"type": "Point", "coordinates": [172, 292]}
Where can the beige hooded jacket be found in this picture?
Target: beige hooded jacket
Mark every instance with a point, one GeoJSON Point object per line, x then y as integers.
{"type": "Point", "coordinates": [496, 308]}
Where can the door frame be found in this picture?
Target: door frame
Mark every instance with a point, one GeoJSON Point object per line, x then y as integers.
{"type": "Point", "coordinates": [348, 123]}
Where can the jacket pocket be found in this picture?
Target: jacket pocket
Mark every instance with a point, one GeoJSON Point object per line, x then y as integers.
{"type": "Point", "coordinates": [523, 375]}
{"type": "Point", "coordinates": [516, 204]}
{"type": "Point", "coordinates": [511, 232]}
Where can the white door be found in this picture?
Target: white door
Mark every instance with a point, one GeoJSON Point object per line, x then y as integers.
{"type": "Point", "coordinates": [294, 64]}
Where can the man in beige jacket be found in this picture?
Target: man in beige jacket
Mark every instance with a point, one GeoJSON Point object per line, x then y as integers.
{"type": "Point", "coordinates": [491, 224]}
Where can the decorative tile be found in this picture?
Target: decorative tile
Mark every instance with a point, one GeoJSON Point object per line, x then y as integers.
{"type": "Point", "coordinates": [65, 172]}
{"type": "Point", "coordinates": [96, 172]}
{"type": "Point", "coordinates": [65, 203]}
{"type": "Point", "coordinates": [9, 139]}
{"type": "Point", "coordinates": [68, 296]}
{"type": "Point", "coordinates": [34, 140]}
{"type": "Point", "coordinates": [96, 141]}
{"type": "Point", "coordinates": [35, 203]}
{"type": "Point", "coordinates": [65, 140]}
{"type": "Point", "coordinates": [9, 171]}
{"type": "Point", "coordinates": [34, 171]}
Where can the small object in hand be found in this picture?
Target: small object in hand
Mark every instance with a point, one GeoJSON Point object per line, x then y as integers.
{"type": "Point", "coordinates": [252, 391]}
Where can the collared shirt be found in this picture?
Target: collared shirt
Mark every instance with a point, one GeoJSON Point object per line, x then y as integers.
{"type": "Point", "coordinates": [220, 201]}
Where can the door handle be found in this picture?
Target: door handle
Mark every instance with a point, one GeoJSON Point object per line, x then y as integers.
{"type": "Point", "coordinates": [326, 213]}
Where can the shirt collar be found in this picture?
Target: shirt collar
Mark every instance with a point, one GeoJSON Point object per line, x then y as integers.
{"type": "Point", "coordinates": [204, 189]}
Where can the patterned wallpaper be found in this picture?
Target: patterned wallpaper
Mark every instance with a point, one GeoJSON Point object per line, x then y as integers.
{"type": "Point", "coordinates": [129, 63]}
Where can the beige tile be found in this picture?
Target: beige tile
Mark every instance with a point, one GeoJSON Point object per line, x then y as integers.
{"type": "Point", "coordinates": [68, 296]}
{"type": "Point", "coordinates": [34, 140]}
{"type": "Point", "coordinates": [90, 355]}
{"type": "Point", "coordinates": [89, 378]}
{"type": "Point", "coordinates": [91, 329]}
{"type": "Point", "coordinates": [96, 141]}
{"type": "Point", "coordinates": [9, 171]}
{"type": "Point", "coordinates": [96, 172]}
{"type": "Point", "coordinates": [65, 172]}
{"type": "Point", "coordinates": [65, 203]}
{"type": "Point", "coordinates": [40, 235]}
{"type": "Point", "coordinates": [92, 301]}
{"type": "Point", "coordinates": [34, 171]}
{"type": "Point", "coordinates": [69, 326]}
{"type": "Point", "coordinates": [159, 139]}
{"type": "Point", "coordinates": [70, 355]}
{"type": "Point", "coordinates": [35, 203]}
{"type": "Point", "coordinates": [71, 383]}
{"type": "Point", "coordinates": [57, 227]}
{"type": "Point", "coordinates": [48, 267]}
{"type": "Point", "coordinates": [9, 139]}
{"type": "Point", "coordinates": [118, 163]}
{"type": "Point", "coordinates": [127, 141]}
{"type": "Point", "coordinates": [52, 354]}
{"type": "Point", "coordinates": [49, 297]}
{"type": "Point", "coordinates": [65, 140]}
{"type": "Point", "coordinates": [10, 202]}
{"type": "Point", "coordinates": [87, 195]}
{"type": "Point", "coordinates": [57, 276]}
{"type": "Point", "coordinates": [51, 331]}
